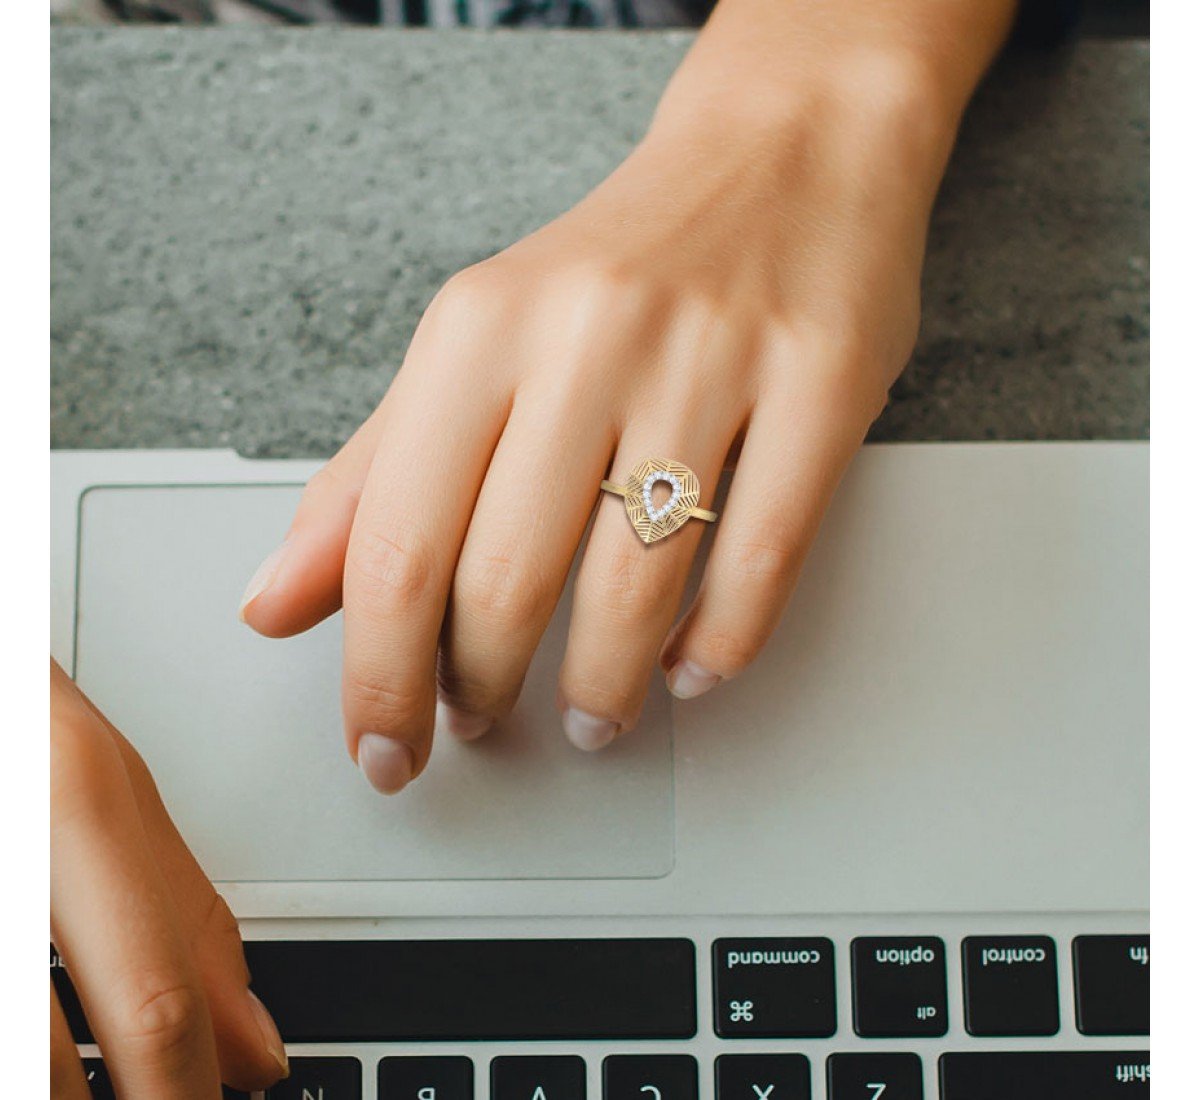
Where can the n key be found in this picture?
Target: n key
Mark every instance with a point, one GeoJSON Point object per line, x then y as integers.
{"type": "Point", "coordinates": [320, 1079]}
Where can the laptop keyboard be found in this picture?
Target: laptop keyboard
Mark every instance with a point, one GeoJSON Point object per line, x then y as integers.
{"type": "Point", "coordinates": [974, 1017]}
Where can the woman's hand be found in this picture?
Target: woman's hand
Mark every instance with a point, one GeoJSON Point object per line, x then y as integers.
{"type": "Point", "coordinates": [152, 949]}
{"type": "Point", "coordinates": [746, 284]}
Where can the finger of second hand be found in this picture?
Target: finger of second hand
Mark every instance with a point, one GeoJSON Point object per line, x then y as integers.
{"type": "Point", "coordinates": [67, 1081]}
{"type": "Point", "coordinates": [113, 922]}
{"type": "Point", "coordinates": [628, 592]}
{"type": "Point", "coordinates": [532, 511]}
{"type": "Point", "coordinates": [249, 1049]}
{"type": "Point", "coordinates": [417, 501]}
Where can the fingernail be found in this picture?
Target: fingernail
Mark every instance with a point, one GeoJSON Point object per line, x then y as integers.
{"type": "Point", "coordinates": [270, 1033]}
{"type": "Point", "coordinates": [386, 762]}
{"type": "Point", "coordinates": [687, 679]}
{"type": "Point", "coordinates": [261, 581]}
{"type": "Point", "coordinates": [460, 723]}
{"type": "Point", "coordinates": [586, 731]}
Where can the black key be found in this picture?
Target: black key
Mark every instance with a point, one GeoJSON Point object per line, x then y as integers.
{"type": "Point", "coordinates": [427, 1078]}
{"type": "Point", "coordinates": [1010, 985]}
{"type": "Point", "coordinates": [774, 988]}
{"type": "Point", "coordinates": [763, 1077]}
{"type": "Point", "coordinates": [98, 1080]}
{"type": "Point", "coordinates": [1112, 985]}
{"type": "Point", "coordinates": [398, 990]}
{"type": "Point", "coordinates": [899, 986]}
{"type": "Point", "coordinates": [101, 1087]}
{"type": "Point", "coordinates": [553, 1077]}
{"type": "Point", "coordinates": [320, 1079]}
{"type": "Point", "coordinates": [1046, 1075]}
{"type": "Point", "coordinates": [875, 1077]}
{"type": "Point", "coordinates": [69, 1000]}
{"type": "Point", "coordinates": [650, 1077]}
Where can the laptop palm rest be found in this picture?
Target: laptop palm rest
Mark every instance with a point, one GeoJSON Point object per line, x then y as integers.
{"type": "Point", "coordinates": [951, 716]}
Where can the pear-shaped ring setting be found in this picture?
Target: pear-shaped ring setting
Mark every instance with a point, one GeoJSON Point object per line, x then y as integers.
{"type": "Point", "coordinates": [656, 521]}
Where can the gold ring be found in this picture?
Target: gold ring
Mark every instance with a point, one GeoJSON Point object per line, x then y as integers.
{"type": "Point", "coordinates": [653, 523]}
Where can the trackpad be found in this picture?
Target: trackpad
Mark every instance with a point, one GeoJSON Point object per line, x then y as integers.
{"type": "Point", "coordinates": [244, 734]}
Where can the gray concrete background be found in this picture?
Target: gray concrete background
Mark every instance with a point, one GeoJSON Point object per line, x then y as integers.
{"type": "Point", "coordinates": [247, 224]}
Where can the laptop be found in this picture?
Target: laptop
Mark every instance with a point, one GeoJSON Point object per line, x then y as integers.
{"type": "Point", "coordinates": [905, 856]}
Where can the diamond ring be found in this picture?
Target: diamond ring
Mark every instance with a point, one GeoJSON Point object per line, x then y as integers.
{"type": "Point", "coordinates": [653, 522]}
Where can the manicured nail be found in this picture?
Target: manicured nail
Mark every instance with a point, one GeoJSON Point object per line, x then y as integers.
{"type": "Point", "coordinates": [687, 679]}
{"type": "Point", "coordinates": [460, 723]}
{"type": "Point", "coordinates": [386, 762]}
{"type": "Point", "coordinates": [261, 581]}
{"type": "Point", "coordinates": [270, 1033]}
{"type": "Point", "coordinates": [586, 731]}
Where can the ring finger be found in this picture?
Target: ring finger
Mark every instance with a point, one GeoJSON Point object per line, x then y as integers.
{"type": "Point", "coordinates": [628, 592]}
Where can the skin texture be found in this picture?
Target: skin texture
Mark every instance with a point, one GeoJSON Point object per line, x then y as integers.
{"type": "Point", "coordinates": [152, 949]}
{"type": "Point", "coordinates": [745, 286]}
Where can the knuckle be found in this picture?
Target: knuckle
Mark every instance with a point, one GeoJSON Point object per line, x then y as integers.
{"type": "Point", "coordinates": [492, 695]}
{"type": "Point", "coordinates": [167, 1018]}
{"type": "Point", "coordinates": [760, 562]}
{"type": "Point", "coordinates": [499, 589]}
{"type": "Point", "coordinates": [391, 569]}
{"type": "Point", "coordinates": [390, 707]}
{"type": "Point", "coordinates": [594, 691]}
{"type": "Point", "coordinates": [623, 589]}
{"type": "Point", "coordinates": [214, 936]}
{"type": "Point", "coordinates": [326, 483]}
{"type": "Point", "coordinates": [727, 652]}
{"type": "Point", "coordinates": [468, 301]}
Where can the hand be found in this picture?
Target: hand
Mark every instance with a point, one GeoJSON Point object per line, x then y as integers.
{"type": "Point", "coordinates": [746, 283]}
{"type": "Point", "coordinates": [152, 949]}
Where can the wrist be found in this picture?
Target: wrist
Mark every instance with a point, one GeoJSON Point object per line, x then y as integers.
{"type": "Point", "coordinates": [775, 69]}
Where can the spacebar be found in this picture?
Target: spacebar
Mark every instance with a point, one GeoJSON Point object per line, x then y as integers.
{"type": "Point", "coordinates": [396, 990]}
{"type": "Point", "coordinates": [1046, 1075]}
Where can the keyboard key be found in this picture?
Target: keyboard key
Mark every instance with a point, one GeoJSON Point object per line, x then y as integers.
{"type": "Point", "coordinates": [1112, 985]}
{"type": "Point", "coordinates": [320, 1079]}
{"type": "Point", "coordinates": [899, 986]}
{"type": "Point", "coordinates": [427, 1078]}
{"type": "Point", "coordinates": [98, 1080]}
{"type": "Point", "coordinates": [69, 1000]}
{"type": "Point", "coordinates": [1046, 1075]}
{"type": "Point", "coordinates": [1010, 985]}
{"type": "Point", "coordinates": [400, 990]}
{"type": "Point", "coordinates": [774, 988]}
{"type": "Point", "coordinates": [553, 1077]}
{"type": "Point", "coordinates": [101, 1087]}
{"type": "Point", "coordinates": [650, 1077]}
{"type": "Point", "coordinates": [875, 1077]}
{"type": "Point", "coordinates": [763, 1077]}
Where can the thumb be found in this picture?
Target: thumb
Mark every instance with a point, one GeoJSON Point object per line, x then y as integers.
{"type": "Point", "coordinates": [249, 1048]}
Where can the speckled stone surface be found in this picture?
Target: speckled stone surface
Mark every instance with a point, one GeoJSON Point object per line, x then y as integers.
{"type": "Point", "coordinates": [246, 225]}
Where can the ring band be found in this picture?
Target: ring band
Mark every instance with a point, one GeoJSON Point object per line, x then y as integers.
{"type": "Point", "coordinates": [653, 522]}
